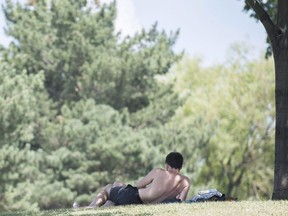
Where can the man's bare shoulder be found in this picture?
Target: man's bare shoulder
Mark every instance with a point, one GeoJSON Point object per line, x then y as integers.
{"type": "Point", "coordinates": [161, 169]}
{"type": "Point", "coordinates": [158, 170]}
{"type": "Point", "coordinates": [186, 179]}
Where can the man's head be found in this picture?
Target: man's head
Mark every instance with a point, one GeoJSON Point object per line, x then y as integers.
{"type": "Point", "coordinates": [174, 160]}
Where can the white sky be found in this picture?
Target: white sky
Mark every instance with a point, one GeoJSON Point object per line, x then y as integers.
{"type": "Point", "coordinates": [207, 27]}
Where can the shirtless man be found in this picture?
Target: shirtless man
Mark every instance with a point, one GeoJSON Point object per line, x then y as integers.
{"type": "Point", "coordinates": [157, 186]}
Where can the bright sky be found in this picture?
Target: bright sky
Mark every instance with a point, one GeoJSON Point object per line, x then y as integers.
{"type": "Point", "coordinates": [207, 27]}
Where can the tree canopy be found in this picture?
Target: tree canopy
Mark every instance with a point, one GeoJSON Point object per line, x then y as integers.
{"type": "Point", "coordinates": [237, 154]}
{"type": "Point", "coordinates": [81, 106]}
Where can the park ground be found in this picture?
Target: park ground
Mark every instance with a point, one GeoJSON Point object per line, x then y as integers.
{"type": "Point", "coordinates": [240, 208]}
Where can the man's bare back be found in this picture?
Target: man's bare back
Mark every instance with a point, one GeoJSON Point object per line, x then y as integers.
{"type": "Point", "coordinates": [160, 185]}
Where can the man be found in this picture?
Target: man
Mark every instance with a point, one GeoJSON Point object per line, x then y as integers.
{"type": "Point", "coordinates": [157, 186]}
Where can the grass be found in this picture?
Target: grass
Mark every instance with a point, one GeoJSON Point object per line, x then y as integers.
{"type": "Point", "coordinates": [251, 208]}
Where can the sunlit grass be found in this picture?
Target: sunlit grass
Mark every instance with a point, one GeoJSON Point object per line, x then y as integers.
{"type": "Point", "coordinates": [251, 208]}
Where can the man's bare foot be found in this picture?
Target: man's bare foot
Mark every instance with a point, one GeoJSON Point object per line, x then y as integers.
{"type": "Point", "coordinates": [75, 205]}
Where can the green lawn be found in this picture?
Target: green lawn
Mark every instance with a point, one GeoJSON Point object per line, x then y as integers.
{"type": "Point", "coordinates": [251, 208]}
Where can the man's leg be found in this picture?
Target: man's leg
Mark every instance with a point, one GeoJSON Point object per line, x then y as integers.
{"type": "Point", "coordinates": [101, 197]}
{"type": "Point", "coordinates": [109, 202]}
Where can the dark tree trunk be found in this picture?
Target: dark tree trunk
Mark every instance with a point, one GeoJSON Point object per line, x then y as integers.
{"type": "Point", "coordinates": [281, 133]}
{"type": "Point", "coordinates": [278, 35]}
{"type": "Point", "coordinates": [280, 52]}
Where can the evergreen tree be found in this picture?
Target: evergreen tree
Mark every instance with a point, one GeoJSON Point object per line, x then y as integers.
{"type": "Point", "coordinates": [87, 108]}
{"type": "Point", "coordinates": [83, 57]}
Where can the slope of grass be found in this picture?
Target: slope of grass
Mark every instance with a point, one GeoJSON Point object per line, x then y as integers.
{"type": "Point", "coordinates": [251, 208]}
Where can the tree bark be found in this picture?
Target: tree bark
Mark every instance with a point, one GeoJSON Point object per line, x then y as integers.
{"type": "Point", "coordinates": [281, 132]}
{"type": "Point", "coordinates": [280, 52]}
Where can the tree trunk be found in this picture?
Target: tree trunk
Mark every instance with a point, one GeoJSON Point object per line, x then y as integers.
{"type": "Point", "coordinates": [281, 132]}
{"type": "Point", "coordinates": [280, 51]}
{"type": "Point", "coordinates": [278, 35]}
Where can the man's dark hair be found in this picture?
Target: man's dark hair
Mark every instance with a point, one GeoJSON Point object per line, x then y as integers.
{"type": "Point", "coordinates": [175, 160]}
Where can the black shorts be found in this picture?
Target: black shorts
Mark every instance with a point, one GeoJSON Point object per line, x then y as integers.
{"type": "Point", "coordinates": [126, 195]}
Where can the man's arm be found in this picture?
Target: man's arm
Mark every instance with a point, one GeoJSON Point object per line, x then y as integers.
{"type": "Point", "coordinates": [142, 183]}
{"type": "Point", "coordinates": [183, 194]}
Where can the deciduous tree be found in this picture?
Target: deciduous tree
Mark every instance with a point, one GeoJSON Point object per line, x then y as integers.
{"type": "Point", "coordinates": [274, 17]}
{"type": "Point", "coordinates": [234, 106]}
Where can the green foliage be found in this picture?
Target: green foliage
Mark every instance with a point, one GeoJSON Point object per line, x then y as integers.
{"type": "Point", "coordinates": [235, 105]}
{"type": "Point", "coordinates": [81, 55]}
{"type": "Point", "coordinates": [80, 105]}
{"type": "Point", "coordinates": [23, 105]}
